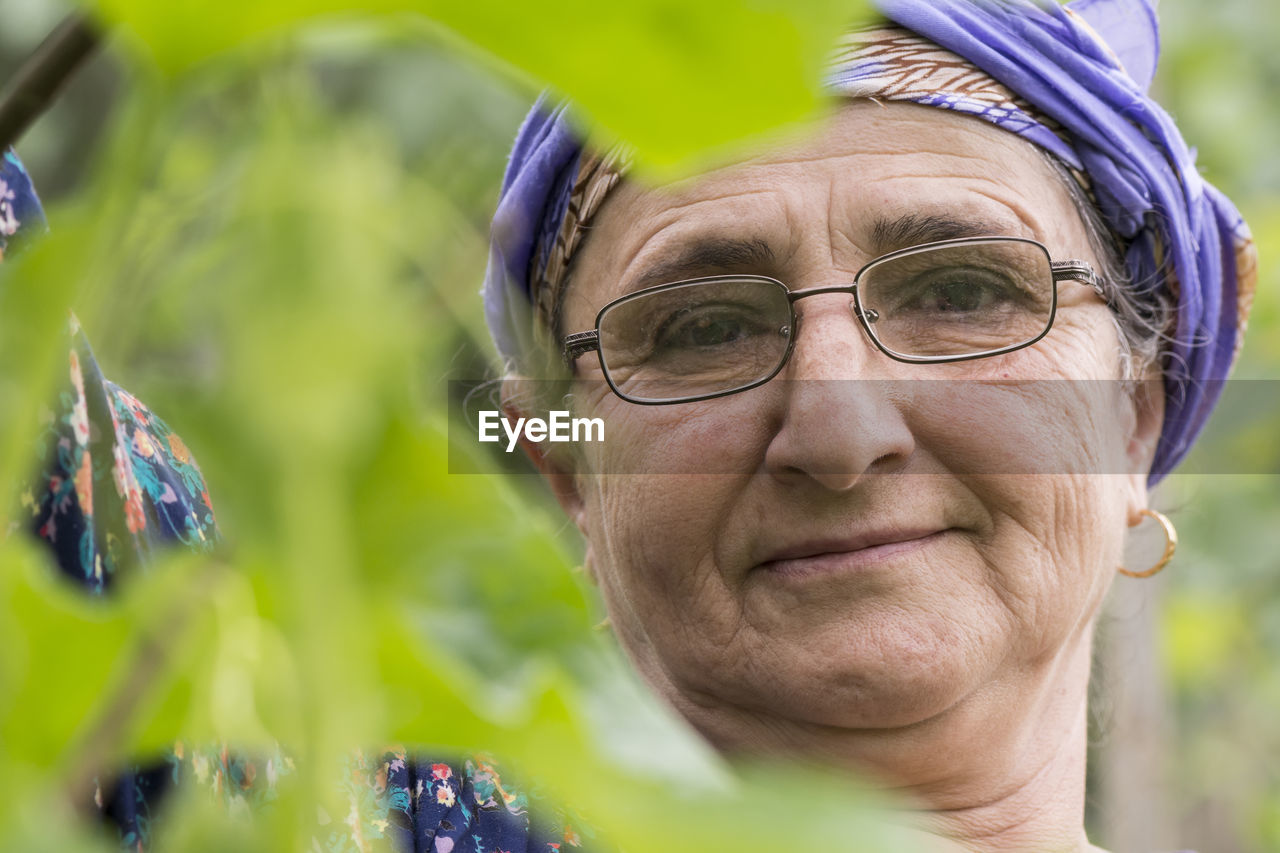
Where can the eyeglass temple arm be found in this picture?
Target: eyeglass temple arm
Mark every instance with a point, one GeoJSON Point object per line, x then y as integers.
{"type": "Point", "coordinates": [582, 342]}
{"type": "Point", "coordinates": [1081, 271]}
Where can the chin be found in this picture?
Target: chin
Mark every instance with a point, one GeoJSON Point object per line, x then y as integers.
{"type": "Point", "coordinates": [903, 679]}
{"type": "Point", "coordinates": [879, 697]}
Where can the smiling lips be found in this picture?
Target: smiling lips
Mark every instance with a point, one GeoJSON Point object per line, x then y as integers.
{"type": "Point", "coordinates": [817, 557]}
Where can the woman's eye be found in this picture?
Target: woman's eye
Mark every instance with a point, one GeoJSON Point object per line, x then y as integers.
{"type": "Point", "coordinates": [960, 293]}
{"type": "Point", "coordinates": [706, 327]}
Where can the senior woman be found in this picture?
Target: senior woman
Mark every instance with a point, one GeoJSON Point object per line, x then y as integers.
{"type": "Point", "coordinates": [897, 577]}
{"type": "Point", "coordinates": [865, 573]}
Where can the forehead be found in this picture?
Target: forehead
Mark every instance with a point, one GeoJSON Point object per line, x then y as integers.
{"type": "Point", "coordinates": [870, 178]}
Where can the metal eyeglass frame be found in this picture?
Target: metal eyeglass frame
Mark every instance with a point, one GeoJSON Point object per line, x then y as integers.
{"type": "Point", "coordinates": [1082, 272]}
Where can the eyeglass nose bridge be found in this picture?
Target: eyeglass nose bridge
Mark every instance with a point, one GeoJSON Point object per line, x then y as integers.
{"type": "Point", "coordinates": [865, 317]}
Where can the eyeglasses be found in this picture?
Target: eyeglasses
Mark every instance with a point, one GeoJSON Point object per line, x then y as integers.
{"type": "Point", "coordinates": [939, 302]}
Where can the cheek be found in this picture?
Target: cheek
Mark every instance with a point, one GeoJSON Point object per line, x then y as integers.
{"type": "Point", "coordinates": [1050, 551]}
{"type": "Point", "coordinates": [1044, 460]}
{"type": "Point", "coordinates": [724, 436]}
{"type": "Point", "coordinates": [1057, 407]}
{"type": "Point", "coordinates": [654, 540]}
{"type": "Point", "coordinates": [1022, 426]}
{"type": "Point", "coordinates": [657, 531]}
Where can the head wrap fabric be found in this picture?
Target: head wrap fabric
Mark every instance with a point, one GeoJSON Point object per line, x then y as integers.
{"type": "Point", "coordinates": [896, 64]}
{"type": "Point", "coordinates": [113, 483]}
{"type": "Point", "coordinates": [20, 212]}
{"type": "Point", "coordinates": [597, 174]}
{"type": "Point", "coordinates": [1079, 76]}
{"type": "Point", "coordinates": [1140, 169]}
{"type": "Point", "coordinates": [535, 194]}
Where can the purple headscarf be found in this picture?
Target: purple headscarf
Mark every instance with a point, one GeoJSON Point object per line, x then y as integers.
{"type": "Point", "coordinates": [1083, 71]}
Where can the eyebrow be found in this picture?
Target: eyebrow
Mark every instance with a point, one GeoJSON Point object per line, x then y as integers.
{"type": "Point", "coordinates": [717, 254]}
{"type": "Point", "coordinates": [722, 254]}
{"type": "Point", "coordinates": [914, 229]}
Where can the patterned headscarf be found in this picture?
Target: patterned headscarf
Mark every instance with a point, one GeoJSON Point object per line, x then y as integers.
{"type": "Point", "coordinates": [20, 212]}
{"type": "Point", "coordinates": [113, 483]}
{"type": "Point", "coordinates": [1071, 79]}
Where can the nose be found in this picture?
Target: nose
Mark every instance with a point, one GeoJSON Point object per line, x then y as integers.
{"type": "Point", "coordinates": [844, 412]}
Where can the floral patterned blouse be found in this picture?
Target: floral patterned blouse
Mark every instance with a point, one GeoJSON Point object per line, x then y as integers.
{"type": "Point", "coordinates": [113, 484]}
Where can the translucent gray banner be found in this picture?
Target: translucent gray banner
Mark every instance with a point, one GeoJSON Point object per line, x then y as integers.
{"type": "Point", "coordinates": [824, 427]}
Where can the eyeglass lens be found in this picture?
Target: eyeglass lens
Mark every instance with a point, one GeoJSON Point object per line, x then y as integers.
{"type": "Point", "coordinates": [958, 300]}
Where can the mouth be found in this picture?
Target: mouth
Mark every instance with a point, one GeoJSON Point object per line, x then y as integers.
{"type": "Point", "coordinates": [857, 553]}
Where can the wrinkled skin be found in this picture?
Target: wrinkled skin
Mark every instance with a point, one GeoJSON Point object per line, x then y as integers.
{"type": "Point", "coordinates": [953, 661]}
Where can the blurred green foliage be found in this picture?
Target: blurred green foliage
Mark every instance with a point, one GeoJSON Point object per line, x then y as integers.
{"type": "Point", "coordinates": [1221, 620]}
{"type": "Point", "coordinates": [279, 242]}
{"type": "Point", "coordinates": [672, 78]}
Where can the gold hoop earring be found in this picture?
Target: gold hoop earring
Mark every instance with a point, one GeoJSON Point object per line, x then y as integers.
{"type": "Point", "coordinates": [1170, 545]}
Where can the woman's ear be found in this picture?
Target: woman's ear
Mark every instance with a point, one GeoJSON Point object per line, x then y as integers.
{"type": "Point", "coordinates": [555, 462]}
{"type": "Point", "coordinates": [1148, 422]}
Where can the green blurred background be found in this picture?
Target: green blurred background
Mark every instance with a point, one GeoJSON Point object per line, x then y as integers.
{"type": "Point", "coordinates": [278, 248]}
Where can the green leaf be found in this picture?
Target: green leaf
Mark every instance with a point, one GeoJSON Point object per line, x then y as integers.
{"type": "Point", "coordinates": [674, 80]}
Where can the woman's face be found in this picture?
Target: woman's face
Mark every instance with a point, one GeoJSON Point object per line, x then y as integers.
{"type": "Point", "coordinates": [847, 546]}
